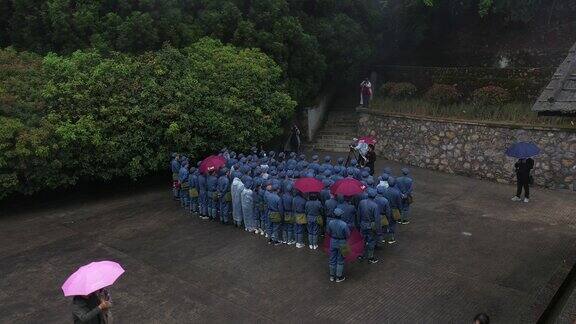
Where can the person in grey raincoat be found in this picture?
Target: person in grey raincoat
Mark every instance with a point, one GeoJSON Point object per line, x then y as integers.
{"type": "Point", "coordinates": [236, 190]}
{"type": "Point", "coordinates": [247, 200]}
{"type": "Point", "coordinates": [339, 232]}
{"type": "Point", "coordinates": [405, 185]}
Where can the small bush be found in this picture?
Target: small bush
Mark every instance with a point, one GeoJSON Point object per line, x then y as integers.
{"type": "Point", "coordinates": [490, 96]}
{"type": "Point", "coordinates": [443, 94]}
{"type": "Point", "coordinates": [398, 90]}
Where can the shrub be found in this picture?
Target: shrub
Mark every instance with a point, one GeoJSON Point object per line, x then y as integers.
{"type": "Point", "coordinates": [490, 96]}
{"type": "Point", "coordinates": [93, 117]}
{"type": "Point", "coordinates": [398, 90]}
{"type": "Point", "coordinates": [443, 94]}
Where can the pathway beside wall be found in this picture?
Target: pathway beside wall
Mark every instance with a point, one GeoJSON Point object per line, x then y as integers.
{"type": "Point", "coordinates": [471, 148]}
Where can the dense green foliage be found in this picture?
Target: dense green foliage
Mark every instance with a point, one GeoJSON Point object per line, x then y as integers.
{"type": "Point", "coordinates": [313, 41]}
{"type": "Point", "coordinates": [398, 90]}
{"type": "Point", "coordinates": [89, 116]}
{"type": "Point", "coordinates": [490, 96]}
{"type": "Point", "coordinates": [443, 94]}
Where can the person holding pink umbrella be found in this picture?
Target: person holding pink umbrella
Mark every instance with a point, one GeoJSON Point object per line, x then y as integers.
{"type": "Point", "coordinates": [91, 302]}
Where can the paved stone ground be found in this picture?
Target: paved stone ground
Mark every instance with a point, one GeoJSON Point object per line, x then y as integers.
{"type": "Point", "coordinates": [468, 249]}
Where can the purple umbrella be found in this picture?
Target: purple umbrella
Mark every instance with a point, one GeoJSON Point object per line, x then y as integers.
{"type": "Point", "coordinates": [523, 150]}
{"type": "Point", "coordinates": [92, 277]}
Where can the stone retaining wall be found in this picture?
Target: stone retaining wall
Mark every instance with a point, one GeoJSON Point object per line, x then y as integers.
{"type": "Point", "coordinates": [471, 148]}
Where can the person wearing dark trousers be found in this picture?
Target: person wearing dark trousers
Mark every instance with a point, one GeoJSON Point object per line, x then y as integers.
{"type": "Point", "coordinates": [371, 156]}
{"type": "Point", "coordinates": [523, 168]}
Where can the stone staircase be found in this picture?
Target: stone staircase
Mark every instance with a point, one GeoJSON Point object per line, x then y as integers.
{"type": "Point", "coordinates": [336, 133]}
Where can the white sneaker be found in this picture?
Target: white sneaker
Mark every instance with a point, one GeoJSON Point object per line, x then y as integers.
{"type": "Point", "coordinates": [299, 246]}
{"type": "Point", "coordinates": [267, 236]}
{"type": "Point", "coordinates": [315, 247]}
{"type": "Point", "coordinates": [291, 243]}
{"type": "Point", "coordinates": [311, 247]}
{"type": "Point", "coordinates": [516, 198]}
{"type": "Point", "coordinates": [526, 200]}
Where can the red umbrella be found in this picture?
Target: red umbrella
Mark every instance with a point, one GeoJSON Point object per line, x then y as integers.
{"type": "Point", "coordinates": [352, 250]}
{"type": "Point", "coordinates": [212, 163]}
{"type": "Point", "coordinates": [347, 187]}
{"type": "Point", "coordinates": [307, 185]}
{"type": "Point", "coordinates": [368, 140]}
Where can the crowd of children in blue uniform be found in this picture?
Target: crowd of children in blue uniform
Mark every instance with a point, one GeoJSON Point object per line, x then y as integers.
{"type": "Point", "coordinates": [256, 192]}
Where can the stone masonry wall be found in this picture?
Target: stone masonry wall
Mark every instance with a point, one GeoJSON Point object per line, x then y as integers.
{"type": "Point", "coordinates": [470, 148]}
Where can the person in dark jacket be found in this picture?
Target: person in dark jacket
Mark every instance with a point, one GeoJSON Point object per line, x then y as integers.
{"type": "Point", "coordinates": [523, 168]}
{"type": "Point", "coordinates": [371, 157]}
{"type": "Point", "coordinates": [295, 139]}
{"type": "Point", "coordinates": [92, 309]}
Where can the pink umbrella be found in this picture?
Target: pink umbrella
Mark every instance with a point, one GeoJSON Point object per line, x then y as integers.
{"type": "Point", "coordinates": [352, 250]}
{"type": "Point", "coordinates": [368, 140]}
{"type": "Point", "coordinates": [212, 163]}
{"type": "Point", "coordinates": [307, 185]}
{"type": "Point", "coordinates": [91, 277]}
{"type": "Point", "coordinates": [347, 187]}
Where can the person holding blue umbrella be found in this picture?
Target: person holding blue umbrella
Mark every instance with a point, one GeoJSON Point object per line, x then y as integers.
{"type": "Point", "coordinates": [523, 151]}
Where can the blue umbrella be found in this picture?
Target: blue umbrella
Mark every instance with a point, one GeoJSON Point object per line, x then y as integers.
{"type": "Point", "coordinates": [523, 150]}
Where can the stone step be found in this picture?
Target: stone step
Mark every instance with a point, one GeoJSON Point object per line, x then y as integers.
{"type": "Point", "coordinates": [336, 143]}
{"type": "Point", "coordinates": [337, 130]}
{"type": "Point", "coordinates": [334, 138]}
{"type": "Point", "coordinates": [317, 148]}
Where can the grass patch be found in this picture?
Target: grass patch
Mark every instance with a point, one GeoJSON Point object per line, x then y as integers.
{"type": "Point", "coordinates": [514, 113]}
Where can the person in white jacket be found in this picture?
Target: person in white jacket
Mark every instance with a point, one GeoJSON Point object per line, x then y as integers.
{"type": "Point", "coordinates": [236, 191]}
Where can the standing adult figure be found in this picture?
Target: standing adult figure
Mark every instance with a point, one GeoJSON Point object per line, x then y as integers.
{"type": "Point", "coordinates": [339, 232]}
{"type": "Point", "coordinates": [371, 158]}
{"type": "Point", "coordinates": [523, 168]}
{"type": "Point", "coordinates": [92, 309]}
{"type": "Point", "coordinates": [295, 139]}
{"type": "Point", "coordinates": [365, 93]}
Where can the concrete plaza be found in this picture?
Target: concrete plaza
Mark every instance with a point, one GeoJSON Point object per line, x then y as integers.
{"type": "Point", "coordinates": [469, 249]}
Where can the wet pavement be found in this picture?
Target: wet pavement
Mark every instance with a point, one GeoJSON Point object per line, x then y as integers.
{"type": "Point", "coordinates": [469, 249]}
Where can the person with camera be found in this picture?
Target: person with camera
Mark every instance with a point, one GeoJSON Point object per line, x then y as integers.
{"type": "Point", "coordinates": [92, 309]}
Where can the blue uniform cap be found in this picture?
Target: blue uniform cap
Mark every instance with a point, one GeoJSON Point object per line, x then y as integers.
{"type": "Point", "coordinates": [340, 160]}
{"type": "Point", "coordinates": [327, 159]}
{"type": "Point", "coordinates": [338, 212]}
{"type": "Point", "coordinates": [371, 193]}
{"type": "Point", "coordinates": [314, 158]}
